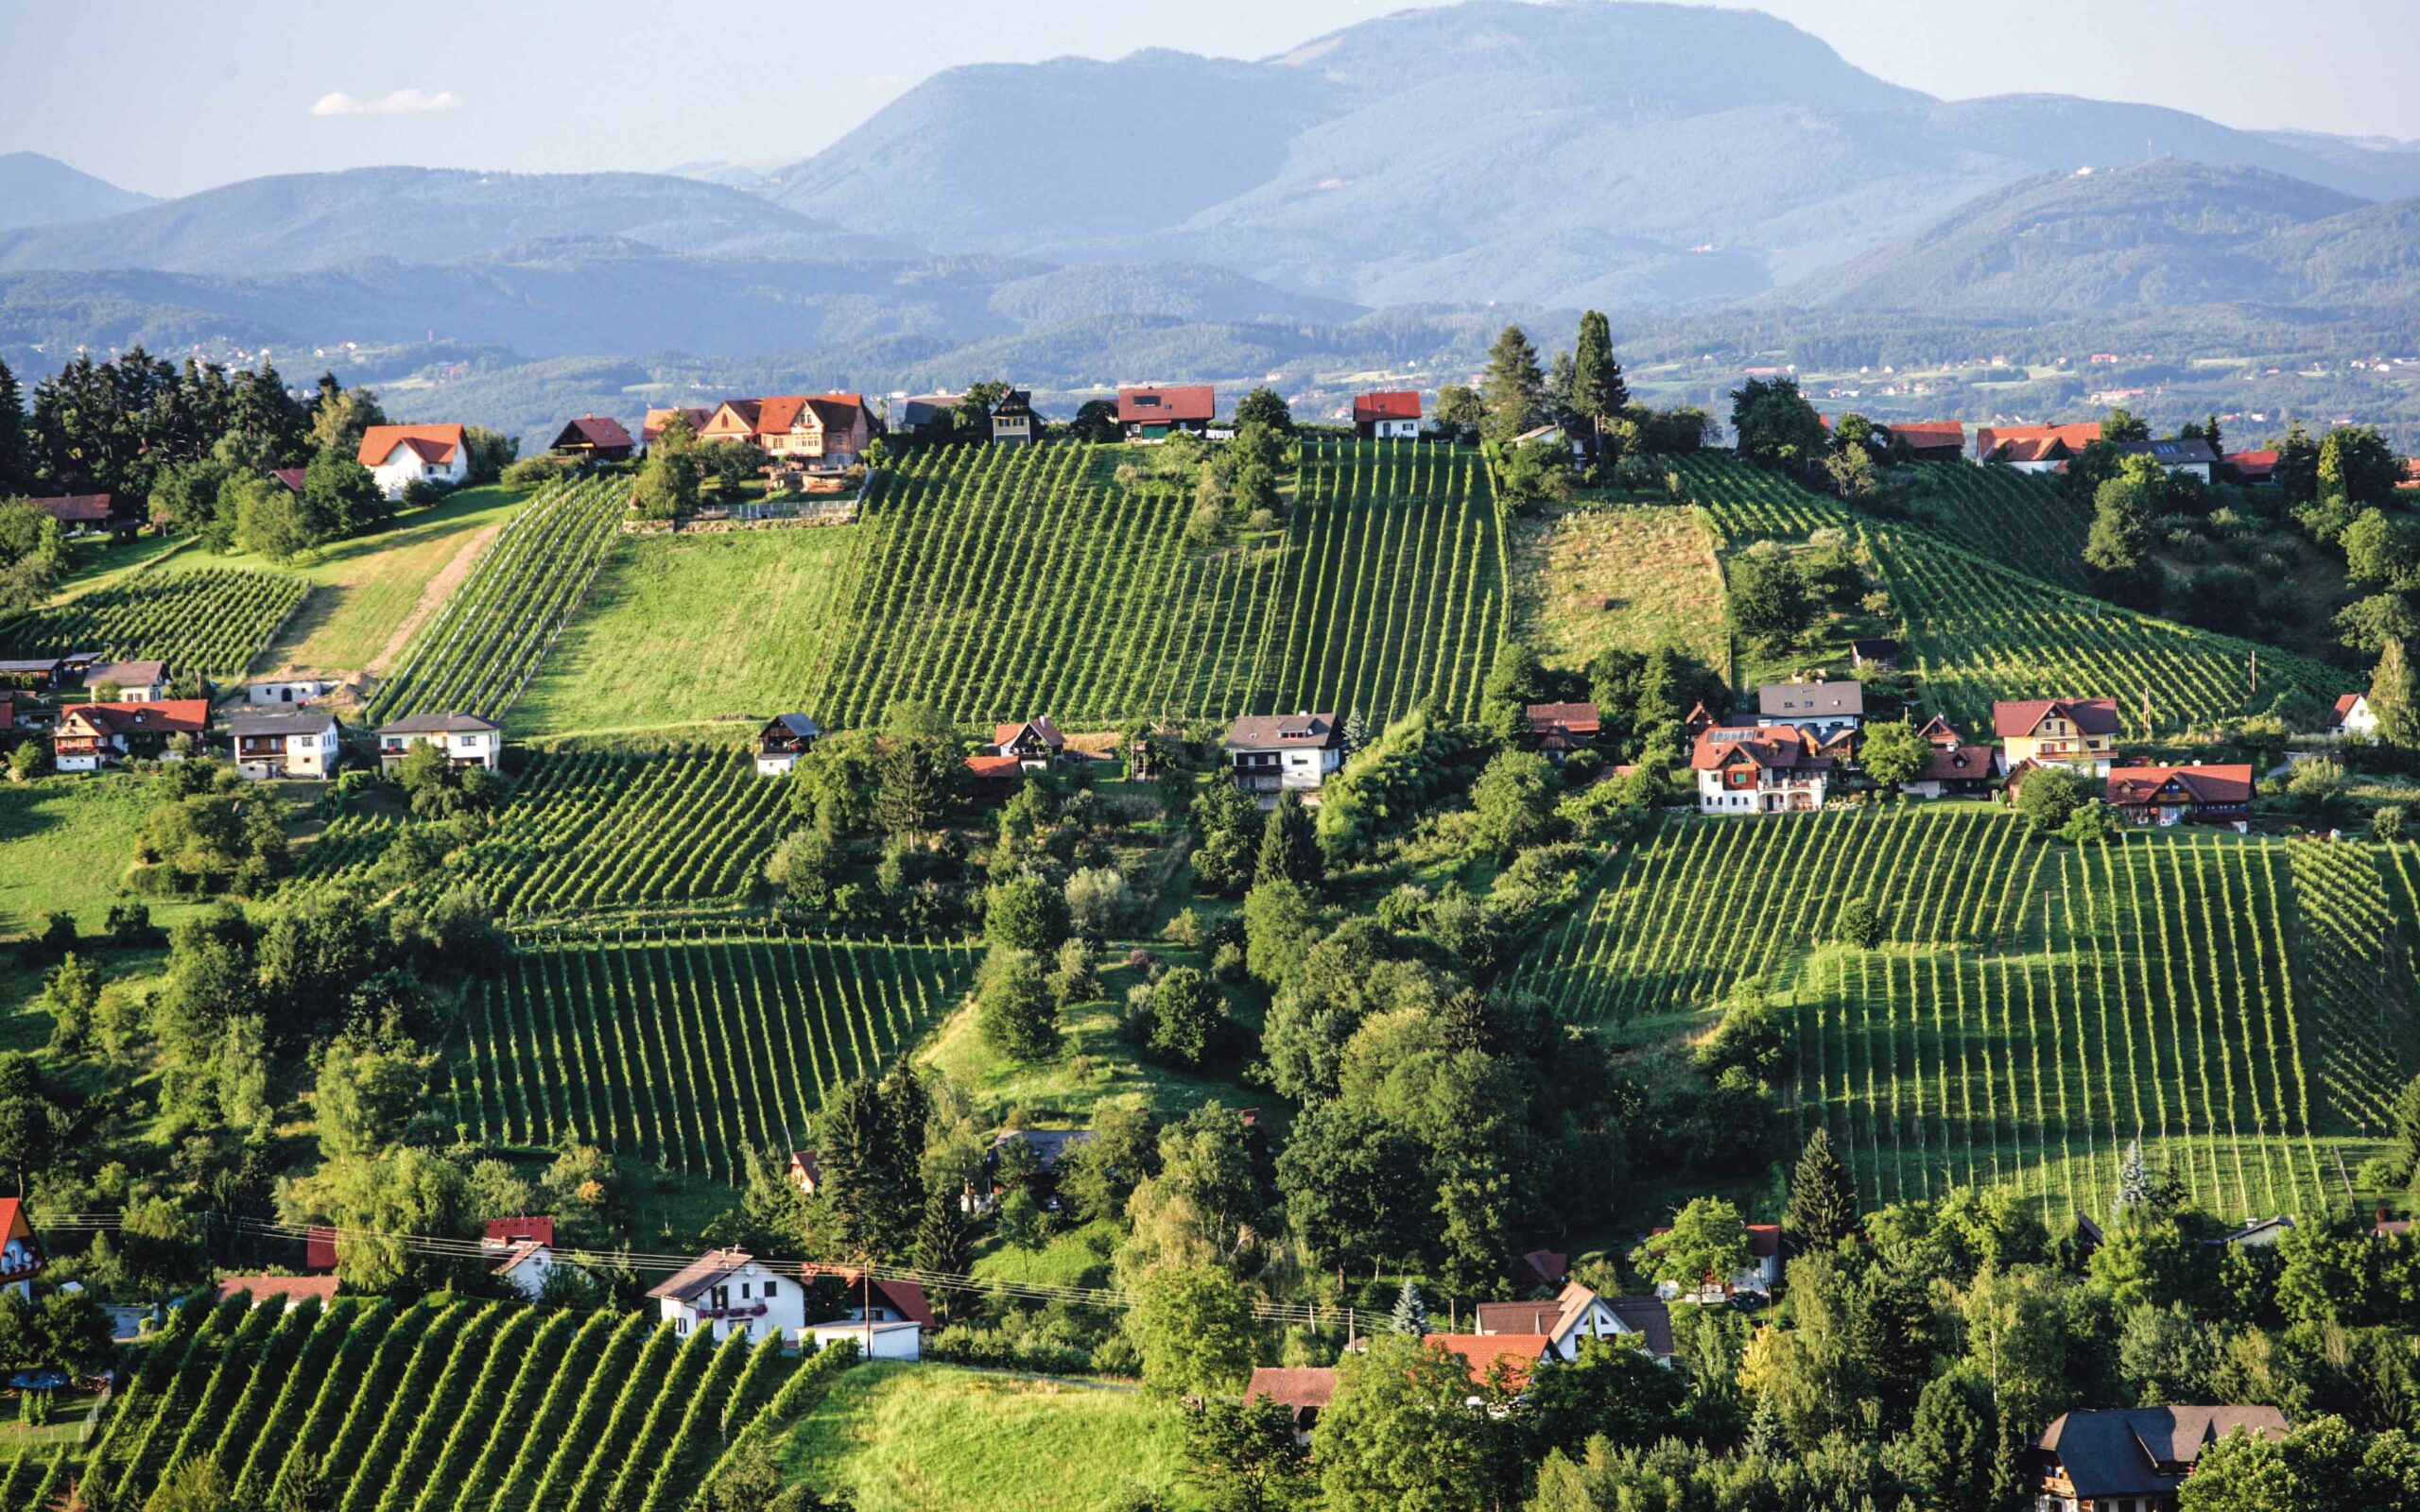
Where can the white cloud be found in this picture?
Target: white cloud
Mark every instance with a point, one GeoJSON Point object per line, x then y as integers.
{"type": "Point", "coordinates": [400, 102]}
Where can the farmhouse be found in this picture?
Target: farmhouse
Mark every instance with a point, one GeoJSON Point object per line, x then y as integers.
{"type": "Point", "coordinates": [2135, 1457]}
{"type": "Point", "coordinates": [1303, 1392]}
{"type": "Point", "coordinates": [821, 432]}
{"type": "Point", "coordinates": [286, 743]}
{"type": "Point", "coordinates": [2034, 448]}
{"type": "Point", "coordinates": [730, 1291]}
{"type": "Point", "coordinates": [1267, 754]}
{"type": "Point", "coordinates": [806, 1172]}
{"type": "Point", "coordinates": [994, 777]}
{"type": "Point", "coordinates": [93, 514]}
{"type": "Point", "coordinates": [1561, 729]}
{"type": "Point", "coordinates": [135, 681]}
{"type": "Point", "coordinates": [1392, 415]}
{"type": "Point", "coordinates": [1154, 414]}
{"type": "Point", "coordinates": [1575, 1313]}
{"type": "Point", "coordinates": [1035, 743]}
{"type": "Point", "coordinates": [2251, 467]}
{"type": "Point", "coordinates": [1758, 769]}
{"type": "Point", "coordinates": [782, 741]}
{"type": "Point", "coordinates": [1952, 767]}
{"type": "Point", "coordinates": [92, 735]}
{"type": "Point", "coordinates": [282, 691]}
{"type": "Point", "coordinates": [734, 420]}
{"type": "Point", "coordinates": [33, 672]}
{"type": "Point", "coordinates": [20, 1257]}
{"type": "Point", "coordinates": [2080, 732]}
{"type": "Point", "coordinates": [1505, 1360]}
{"type": "Point", "coordinates": [520, 1251]}
{"type": "Point", "coordinates": [2182, 795]}
{"type": "Point", "coordinates": [1928, 440]}
{"type": "Point", "coordinates": [655, 420]}
{"type": "Point", "coordinates": [401, 455]}
{"type": "Point", "coordinates": [1811, 705]}
{"type": "Point", "coordinates": [592, 438]}
{"type": "Point", "coordinates": [1013, 421]}
{"type": "Point", "coordinates": [2190, 454]}
{"type": "Point", "coordinates": [2352, 717]}
{"type": "Point", "coordinates": [466, 739]}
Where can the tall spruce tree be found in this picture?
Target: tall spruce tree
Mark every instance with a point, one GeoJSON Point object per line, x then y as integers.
{"type": "Point", "coordinates": [1823, 1199]}
{"type": "Point", "coordinates": [1598, 392]}
{"type": "Point", "coordinates": [868, 1211]}
{"type": "Point", "coordinates": [1410, 1314]}
{"type": "Point", "coordinates": [1514, 388]}
{"type": "Point", "coordinates": [16, 467]}
{"type": "Point", "coordinates": [1290, 845]}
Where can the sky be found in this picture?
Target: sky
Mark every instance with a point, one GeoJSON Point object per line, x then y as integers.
{"type": "Point", "coordinates": [172, 96]}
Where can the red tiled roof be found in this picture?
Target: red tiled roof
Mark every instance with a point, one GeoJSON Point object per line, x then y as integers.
{"type": "Point", "coordinates": [1394, 403]}
{"type": "Point", "coordinates": [2255, 465]}
{"type": "Point", "coordinates": [2344, 702]}
{"type": "Point", "coordinates": [993, 765]}
{"type": "Point", "coordinates": [1928, 433]}
{"type": "Point", "coordinates": [1153, 405]}
{"type": "Point", "coordinates": [906, 1299]}
{"type": "Point", "coordinates": [1779, 747]}
{"type": "Point", "coordinates": [537, 1230]}
{"type": "Point", "coordinates": [293, 477]}
{"type": "Point", "coordinates": [78, 508]}
{"type": "Point", "coordinates": [268, 1288]}
{"type": "Point", "coordinates": [1955, 764]}
{"type": "Point", "coordinates": [1308, 1387]}
{"type": "Point", "coordinates": [1571, 718]}
{"type": "Point", "coordinates": [189, 716]}
{"type": "Point", "coordinates": [2136, 786]}
{"type": "Point", "coordinates": [652, 426]}
{"type": "Point", "coordinates": [599, 431]}
{"type": "Point", "coordinates": [1519, 1353]}
{"type": "Point", "coordinates": [1043, 730]}
{"type": "Point", "coordinates": [2037, 440]}
{"type": "Point", "coordinates": [2094, 716]}
{"type": "Point", "coordinates": [434, 443]}
{"type": "Point", "coordinates": [1764, 1239]}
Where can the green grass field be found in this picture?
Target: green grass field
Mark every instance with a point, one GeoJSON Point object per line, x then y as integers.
{"type": "Point", "coordinates": [65, 843]}
{"type": "Point", "coordinates": [679, 632]}
{"type": "Point", "coordinates": [2032, 1008]}
{"type": "Point", "coordinates": [921, 1437]}
{"type": "Point", "coordinates": [1591, 576]}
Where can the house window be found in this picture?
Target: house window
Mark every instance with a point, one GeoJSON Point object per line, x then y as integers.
{"type": "Point", "coordinates": [769, 1291]}
{"type": "Point", "coordinates": [743, 1291]}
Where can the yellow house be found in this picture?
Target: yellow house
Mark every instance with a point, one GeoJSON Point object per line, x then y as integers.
{"type": "Point", "coordinates": [2079, 733]}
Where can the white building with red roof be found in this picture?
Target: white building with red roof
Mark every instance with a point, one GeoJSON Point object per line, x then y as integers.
{"type": "Point", "coordinates": [1154, 412]}
{"type": "Point", "coordinates": [2216, 793]}
{"type": "Point", "coordinates": [1760, 770]}
{"type": "Point", "coordinates": [21, 1256]}
{"type": "Point", "coordinates": [1388, 415]}
{"type": "Point", "coordinates": [401, 455]}
{"type": "Point", "coordinates": [2352, 719]}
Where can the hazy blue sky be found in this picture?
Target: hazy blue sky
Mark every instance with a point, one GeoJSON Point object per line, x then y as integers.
{"type": "Point", "coordinates": [171, 96]}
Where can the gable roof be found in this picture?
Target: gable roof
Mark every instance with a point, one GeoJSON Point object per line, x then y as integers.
{"type": "Point", "coordinates": [2036, 442]}
{"type": "Point", "coordinates": [2124, 1452]}
{"type": "Point", "coordinates": [1043, 730]}
{"type": "Point", "coordinates": [1155, 404]}
{"type": "Point", "coordinates": [80, 508]}
{"type": "Point", "coordinates": [430, 443]}
{"type": "Point", "coordinates": [1571, 718]}
{"type": "Point", "coordinates": [2183, 450]}
{"type": "Point", "coordinates": [906, 1299]}
{"type": "Point", "coordinates": [988, 766]}
{"type": "Point", "coordinates": [2347, 702]}
{"type": "Point", "coordinates": [1391, 403]}
{"type": "Point", "coordinates": [293, 477]}
{"type": "Point", "coordinates": [1517, 1353]}
{"type": "Point", "coordinates": [539, 1230]}
{"type": "Point", "coordinates": [1948, 763]}
{"type": "Point", "coordinates": [1840, 697]}
{"type": "Point", "coordinates": [1776, 747]}
{"type": "Point", "coordinates": [700, 1273]}
{"type": "Point", "coordinates": [652, 425]}
{"type": "Point", "coordinates": [2253, 466]}
{"type": "Point", "coordinates": [2094, 716]}
{"type": "Point", "coordinates": [599, 431]}
{"type": "Point", "coordinates": [1285, 731]}
{"type": "Point", "coordinates": [126, 673]}
{"type": "Point", "coordinates": [2143, 785]}
{"type": "Point", "coordinates": [1925, 435]}
{"type": "Point", "coordinates": [279, 722]}
{"type": "Point", "coordinates": [799, 725]}
{"type": "Point", "coordinates": [449, 723]}
{"type": "Point", "coordinates": [1547, 1268]}
{"type": "Point", "coordinates": [173, 716]}
{"type": "Point", "coordinates": [1308, 1387]}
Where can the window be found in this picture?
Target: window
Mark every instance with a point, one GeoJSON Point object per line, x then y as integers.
{"type": "Point", "coordinates": [743, 1291]}
{"type": "Point", "coordinates": [769, 1291]}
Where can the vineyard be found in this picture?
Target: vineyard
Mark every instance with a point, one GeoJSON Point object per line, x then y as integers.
{"type": "Point", "coordinates": [2025, 522]}
{"type": "Point", "coordinates": [211, 622]}
{"type": "Point", "coordinates": [682, 1047]}
{"type": "Point", "coordinates": [2033, 1007]}
{"type": "Point", "coordinates": [441, 1406]}
{"type": "Point", "coordinates": [998, 582]}
{"type": "Point", "coordinates": [476, 654]}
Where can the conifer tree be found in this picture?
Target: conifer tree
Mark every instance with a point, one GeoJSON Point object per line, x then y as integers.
{"type": "Point", "coordinates": [1598, 392]}
{"type": "Point", "coordinates": [1410, 1314]}
{"type": "Point", "coordinates": [1514, 388]}
{"type": "Point", "coordinates": [1823, 1199]}
{"type": "Point", "coordinates": [1290, 845]}
{"type": "Point", "coordinates": [2395, 697]}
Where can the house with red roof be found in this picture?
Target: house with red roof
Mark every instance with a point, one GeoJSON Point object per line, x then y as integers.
{"type": "Point", "coordinates": [1577, 1314]}
{"type": "Point", "coordinates": [2078, 732]}
{"type": "Point", "coordinates": [1154, 412]}
{"type": "Point", "coordinates": [651, 425]}
{"type": "Point", "coordinates": [90, 736]}
{"type": "Point", "coordinates": [1761, 769]}
{"type": "Point", "coordinates": [1034, 743]}
{"type": "Point", "coordinates": [2251, 467]}
{"type": "Point", "coordinates": [2352, 719]}
{"type": "Point", "coordinates": [401, 455]}
{"type": "Point", "coordinates": [1561, 729]}
{"type": "Point", "coordinates": [1926, 440]}
{"type": "Point", "coordinates": [1504, 1360]}
{"type": "Point", "coordinates": [21, 1256]}
{"type": "Point", "coordinates": [286, 1293]}
{"type": "Point", "coordinates": [819, 431]}
{"type": "Point", "coordinates": [94, 513]}
{"type": "Point", "coordinates": [1952, 767]}
{"type": "Point", "coordinates": [2034, 448]}
{"type": "Point", "coordinates": [592, 438]}
{"type": "Point", "coordinates": [1303, 1391]}
{"type": "Point", "coordinates": [1391, 415]}
{"type": "Point", "coordinates": [2216, 793]}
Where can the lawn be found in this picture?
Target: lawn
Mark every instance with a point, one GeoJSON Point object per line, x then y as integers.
{"type": "Point", "coordinates": [679, 632]}
{"type": "Point", "coordinates": [364, 592]}
{"type": "Point", "coordinates": [64, 842]}
{"type": "Point", "coordinates": [928, 1437]}
{"type": "Point", "coordinates": [1591, 576]}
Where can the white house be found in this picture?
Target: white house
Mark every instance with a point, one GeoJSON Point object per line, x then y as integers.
{"type": "Point", "coordinates": [1759, 1275]}
{"type": "Point", "coordinates": [1577, 1314]}
{"type": "Point", "coordinates": [135, 681]}
{"type": "Point", "coordinates": [2351, 718]}
{"type": "Point", "coordinates": [886, 1319]}
{"type": "Point", "coordinates": [289, 743]}
{"type": "Point", "coordinates": [280, 692]}
{"type": "Point", "coordinates": [1391, 415]}
{"type": "Point", "coordinates": [731, 1292]}
{"type": "Point", "coordinates": [1272, 753]}
{"type": "Point", "coordinates": [401, 455]}
{"type": "Point", "coordinates": [2190, 454]}
{"type": "Point", "coordinates": [1760, 770]}
{"type": "Point", "coordinates": [466, 739]}
{"type": "Point", "coordinates": [521, 1251]}
{"type": "Point", "coordinates": [21, 1256]}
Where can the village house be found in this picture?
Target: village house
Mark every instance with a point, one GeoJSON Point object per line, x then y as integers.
{"type": "Point", "coordinates": [131, 682]}
{"type": "Point", "coordinates": [924, 414]}
{"type": "Point", "coordinates": [2190, 454]}
{"type": "Point", "coordinates": [1506, 1361]}
{"type": "Point", "coordinates": [2252, 468]}
{"type": "Point", "coordinates": [284, 1292]}
{"type": "Point", "coordinates": [1819, 705]}
{"type": "Point", "coordinates": [1038, 1151]}
{"type": "Point", "coordinates": [1758, 1278]}
{"type": "Point", "coordinates": [282, 691]}
{"type": "Point", "coordinates": [467, 740]}
{"type": "Point", "coordinates": [90, 736]}
{"type": "Point", "coordinates": [1561, 729]}
{"type": "Point", "coordinates": [1926, 440]}
{"type": "Point", "coordinates": [2034, 448]}
{"type": "Point", "coordinates": [21, 1256]}
{"type": "Point", "coordinates": [286, 743]}
{"type": "Point", "coordinates": [1267, 754]}
{"type": "Point", "coordinates": [886, 1319]}
{"type": "Point", "coordinates": [992, 778]}
{"type": "Point", "coordinates": [401, 455]}
{"type": "Point", "coordinates": [782, 741]}
{"type": "Point", "coordinates": [1392, 415]}
{"type": "Point", "coordinates": [2132, 1459]}
{"type": "Point", "coordinates": [2182, 794]}
{"type": "Point", "coordinates": [2352, 719]}
{"type": "Point", "coordinates": [520, 1251]}
{"type": "Point", "coordinates": [1760, 770]}
{"type": "Point", "coordinates": [32, 674]}
{"type": "Point", "coordinates": [1013, 421]}
{"type": "Point", "coordinates": [1155, 413]}
{"type": "Point", "coordinates": [819, 431]}
{"type": "Point", "coordinates": [592, 438]}
{"type": "Point", "coordinates": [1034, 743]}
{"type": "Point", "coordinates": [806, 1172]}
{"type": "Point", "coordinates": [731, 1292]}
{"type": "Point", "coordinates": [81, 514]}
{"type": "Point", "coordinates": [734, 420]}
{"type": "Point", "coordinates": [1575, 1313]}
{"type": "Point", "coordinates": [2078, 732]}
{"type": "Point", "coordinates": [1541, 1270]}
{"type": "Point", "coordinates": [651, 425]}
{"type": "Point", "coordinates": [1953, 769]}
{"type": "Point", "coordinates": [1303, 1391]}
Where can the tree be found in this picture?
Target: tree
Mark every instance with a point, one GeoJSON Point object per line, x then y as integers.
{"type": "Point", "coordinates": [340, 497]}
{"type": "Point", "coordinates": [1192, 1324]}
{"type": "Point", "coordinates": [1706, 1246]}
{"type": "Point", "coordinates": [1513, 801]}
{"type": "Point", "coordinates": [2296, 475]}
{"type": "Point", "coordinates": [2123, 508]}
{"type": "Point", "coordinates": [868, 1172]}
{"type": "Point", "coordinates": [668, 480]}
{"type": "Point", "coordinates": [1599, 395]}
{"type": "Point", "coordinates": [1850, 471]}
{"type": "Point", "coordinates": [16, 461]}
{"type": "Point", "coordinates": [403, 1190]}
{"type": "Point", "coordinates": [1513, 390]}
{"type": "Point", "coordinates": [1265, 408]}
{"type": "Point", "coordinates": [1353, 1186]}
{"type": "Point", "coordinates": [2048, 796]}
{"type": "Point", "coordinates": [1769, 605]}
{"type": "Point", "coordinates": [269, 521]}
{"type": "Point", "coordinates": [1823, 1199]}
{"type": "Point", "coordinates": [368, 1090]}
{"type": "Point", "coordinates": [1186, 1016]}
{"type": "Point", "coordinates": [1409, 1315]}
{"type": "Point", "coordinates": [1892, 753]}
{"type": "Point", "coordinates": [1459, 408]}
{"type": "Point", "coordinates": [2120, 426]}
{"type": "Point", "coordinates": [339, 416]}
{"type": "Point", "coordinates": [1290, 845]}
{"type": "Point", "coordinates": [1951, 1444]}
{"type": "Point", "coordinates": [2092, 823]}
{"type": "Point", "coordinates": [1014, 1006]}
{"type": "Point", "coordinates": [917, 768]}
{"type": "Point", "coordinates": [1614, 1393]}
{"type": "Point", "coordinates": [2357, 465]}
{"type": "Point", "coordinates": [1025, 913]}
{"type": "Point", "coordinates": [1244, 1456]}
{"type": "Point", "coordinates": [1775, 424]}
{"type": "Point", "coordinates": [1399, 1436]}
{"type": "Point", "coordinates": [2395, 697]}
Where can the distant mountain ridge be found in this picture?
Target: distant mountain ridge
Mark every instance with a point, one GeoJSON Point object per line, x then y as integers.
{"type": "Point", "coordinates": [39, 191]}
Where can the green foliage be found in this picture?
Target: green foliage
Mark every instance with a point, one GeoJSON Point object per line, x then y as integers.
{"type": "Point", "coordinates": [1769, 604]}
{"type": "Point", "coordinates": [1187, 1014]}
{"type": "Point", "coordinates": [1892, 753]}
{"type": "Point", "coordinates": [2050, 795]}
{"type": "Point", "coordinates": [1193, 1327]}
{"type": "Point", "coordinates": [1775, 424]}
{"type": "Point", "coordinates": [1514, 390]}
{"type": "Point", "coordinates": [1014, 1006]}
{"type": "Point", "coordinates": [1822, 1198]}
{"type": "Point", "coordinates": [1398, 1434]}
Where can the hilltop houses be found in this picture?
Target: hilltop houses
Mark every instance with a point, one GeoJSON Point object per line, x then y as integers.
{"type": "Point", "coordinates": [1032, 744]}
{"type": "Point", "coordinates": [2190, 454]}
{"type": "Point", "coordinates": [94, 513]}
{"type": "Point", "coordinates": [1952, 767]}
{"type": "Point", "coordinates": [2079, 733]}
{"type": "Point", "coordinates": [401, 455]}
{"type": "Point", "coordinates": [656, 419]}
{"type": "Point", "coordinates": [1577, 1314]}
{"type": "Point", "coordinates": [2217, 793]}
{"type": "Point", "coordinates": [1154, 413]}
{"type": "Point", "coordinates": [823, 432]}
{"type": "Point", "coordinates": [1926, 440]}
{"type": "Point", "coordinates": [2034, 448]}
{"type": "Point", "coordinates": [1392, 415]}
{"type": "Point", "coordinates": [286, 743]}
{"type": "Point", "coordinates": [782, 741]}
{"type": "Point", "coordinates": [1760, 770]}
{"type": "Point", "coordinates": [90, 736]}
{"type": "Point", "coordinates": [467, 740]}
{"type": "Point", "coordinates": [1014, 420]}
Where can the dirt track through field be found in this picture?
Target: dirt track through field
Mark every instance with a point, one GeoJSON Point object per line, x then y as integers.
{"type": "Point", "coordinates": [448, 577]}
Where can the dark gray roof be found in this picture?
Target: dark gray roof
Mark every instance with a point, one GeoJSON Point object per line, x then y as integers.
{"type": "Point", "coordinates": [2144, 1450]}
{"type": "Point", "coordinates": [279, 722]}
{"type": "Point", "coordinates": [1284, 732]}
{"type": "Point", "coordinates": [1650, 1319]}
{"type": "Point", "coordinates": [2185, 452]}
{"type": "Point", "coordinates": [138, 673]}
{"type": "Point", "coordinates": [799, 725]}
{"type": "Point", "coordinates": [444, 724]}
{"type": "Point", "coordinates": [1810, 700]}
{"type": "Point", "coordinates": [1048, 1144]}
{"type": "Point", "coordinates": [35, 665]}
